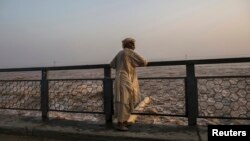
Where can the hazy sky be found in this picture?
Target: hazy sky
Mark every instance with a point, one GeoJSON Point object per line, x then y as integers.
{"type": "Point", "coordinates": [78, 32]}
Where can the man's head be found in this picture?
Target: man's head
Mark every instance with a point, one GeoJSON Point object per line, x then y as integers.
{"type": "Point", "coordinates": [128, 43]}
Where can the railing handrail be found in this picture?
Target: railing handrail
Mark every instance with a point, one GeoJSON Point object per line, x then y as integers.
{"type": "Point", "coordinates": [201, 61]}
{"type": "Point", "coordinates": [155, 63]}
{"type": "Point", "coordinates": [56, 68]}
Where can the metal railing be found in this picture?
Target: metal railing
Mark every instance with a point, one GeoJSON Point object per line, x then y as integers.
{"type": "Point", "coordinates": [190, 84]}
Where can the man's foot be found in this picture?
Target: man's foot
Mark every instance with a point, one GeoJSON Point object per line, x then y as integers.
{"type": "Point", "coordinates": [127, 124]}
{"type": "Point", "coordinates": [121, 127]}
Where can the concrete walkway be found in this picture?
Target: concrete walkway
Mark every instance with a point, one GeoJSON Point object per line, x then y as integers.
{"type": "Point", "coordinates": [15, 128]}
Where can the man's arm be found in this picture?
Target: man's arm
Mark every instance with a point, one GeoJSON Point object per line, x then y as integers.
{"type": "Point", "coordinates": [137, 60]}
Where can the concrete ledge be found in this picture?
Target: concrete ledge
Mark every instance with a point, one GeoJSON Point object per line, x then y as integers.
{"type": "Point", "coordinates": [75, 130]}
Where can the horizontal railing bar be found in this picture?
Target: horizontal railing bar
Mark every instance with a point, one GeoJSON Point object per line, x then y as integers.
{"type": "Point", "coordinates": [21, 69]}
{"type": "Point", "coordinates": [220, 60]}
{"type": "Point", "coordinates": [75, 79]}
{"type": "Point", "coordinates": [98, 66]}
{"type": "Point", "coordinates": [162, 78]}
{"type": "Point", "coordinates": [240, 118]}
{"type": "Point", "coordinates": [235, 76]}
{"type": "Point", "coordinates": [154, 114]}
{"type": "Point", "coordinates": [167, 63]}
{"type": "Point", "coordinates": [142, 78]}
{"type": "Point", "coordinates": [198, 77]}
{"type": "Point", "coordinates": [202, 61]}
{"type": "Point", "coordinates": [68, 111]}
{"type": "Point", "coordinates": [4, 108]}
{"type": "Point", "coordinates": [19, 80]}
{"type": "Point", "coordinates": [55, 68]}
{"type": "Point", "coordinates": [160, 63]}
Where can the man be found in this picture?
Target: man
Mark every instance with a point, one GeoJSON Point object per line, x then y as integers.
{"type": "Point", "coordinates": [127, 94]}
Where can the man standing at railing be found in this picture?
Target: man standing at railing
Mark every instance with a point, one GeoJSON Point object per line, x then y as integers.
{"type": "Point", "coordinates": [127, 93]}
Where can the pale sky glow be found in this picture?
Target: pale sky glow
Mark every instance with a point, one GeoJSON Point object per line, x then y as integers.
{"type": "Point", "coordinates": [77, 32]}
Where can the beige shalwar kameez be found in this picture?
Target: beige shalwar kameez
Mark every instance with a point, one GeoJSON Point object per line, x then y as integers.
{"type": "Point", "coordinates": [127, 93]}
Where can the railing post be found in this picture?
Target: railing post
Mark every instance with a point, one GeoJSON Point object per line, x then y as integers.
{"type": "Point", "coordinates": [108, 95]}
{"type": "Point", "coordinates": [44, 95]}
{"type": "Point", "coordinates": [191, 95]}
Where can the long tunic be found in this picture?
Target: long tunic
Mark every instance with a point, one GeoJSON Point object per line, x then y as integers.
{"type": "Point", "coordinates": [127, 92]}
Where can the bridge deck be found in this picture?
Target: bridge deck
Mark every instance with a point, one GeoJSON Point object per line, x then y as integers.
{"type": "Point", "coordinates": [33, 129]}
